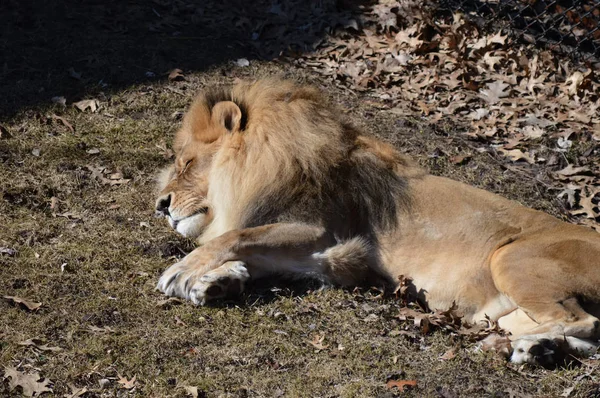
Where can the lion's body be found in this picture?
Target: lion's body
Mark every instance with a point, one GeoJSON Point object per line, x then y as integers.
{"type": "Point", "coordinates": [272, 182]}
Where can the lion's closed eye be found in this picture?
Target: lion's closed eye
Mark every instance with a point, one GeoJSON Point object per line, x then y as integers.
{"type": "Point", "coordinates": [186, 166]}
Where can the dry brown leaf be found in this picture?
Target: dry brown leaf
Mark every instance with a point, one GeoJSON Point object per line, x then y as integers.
{"type": "Point", "coordinates": [571, 194]}
{"type": "Point", "coordinates": [63, 121]}
{"type": "Point", "coordinates": [516, 154]}
{"type": "Point", "coordinates": [60, 100]}
{"type": "Point", "coordinates": [570, 170]}
{"type": "Point", "coordinates": [54, 204]}
{"type": "Point", "coordinates": [7, 251]}
{"type": "Point", "coordinates": [448, 355]}
{"type": "Point", "coordinates": [30, 383]}
{"type": "Point", "coordinates": [574, 81]}
{"type": "Point", "coordinates": [495, 92]}
{"type": "Point", "coordinates": [91, 104]}
{"type": "Point", "coordinates": [497, 343]}
{"type": "Point", "coordinates": [401, 384]}
{"type": "Point", "coordinates": [165, 303]}
{"type": "Point", "coordinates": [176, 75]}
{"type": "Point", "coordinates": [76, 392]}
{"type": "Point", "coordinates": [491, 60]}
{"type": "Point", "coordinates": [75, 75]}
{"type": "Point", "coordinates": [37, 343]}
{"type": "Point", "coordinates": [497, 38]}
{"type": "Point", "coordinates": [166, 152]}
{"type": "Point", "coordinates": [4, 134]}
{"type": "Point", "coordinates": [30, 305]}
{"type": "Point", "coordinates": [126, 384]}
{"type": "Point", "coordinates": [242, 62]}
{"type": "Point", "coordinates": [101, 173]}
{"type": "Point", "coordinates": [102, 330]}
{"type": "Point", "coordinates": [460, 159]}
{"type": "Point", "coordinates": [192, 391]}
{"type": "Point", "coordinates": [317, 342]}
{"type": "Point", "coordinates": [587, 207]}
{"type": "Point", "coordinates": [532, 132]}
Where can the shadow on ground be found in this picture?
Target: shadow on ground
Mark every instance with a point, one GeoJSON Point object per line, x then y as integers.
{"type": "Point", "coordinates": [80, 48]}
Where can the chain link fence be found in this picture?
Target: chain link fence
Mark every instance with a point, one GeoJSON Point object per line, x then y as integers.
{"type": "Point", "coordinates": [565, 26]}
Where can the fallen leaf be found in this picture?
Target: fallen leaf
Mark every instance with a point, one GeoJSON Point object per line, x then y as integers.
{"type": "Point", "coordinates": [165, 303]}
{"type": "Point", "coordinates": [8, 251]}
{"type": "Point", "coordinates": [4, 134]}
{"type": "Point", "coordinates": [587, 206]}
{"type": "Point", "coordinates": [76, 392]}
{"type": "Point", "coordinates": [166, 152]}
{"type": "Point", "coordinates": [192, 391]}
{"type": "Point", "coordinates": [83, 105]}
{"type": "Point", "coordinates": [570, 170]}
{"type": "Point", "coordinates": [101, 173]}
{"type": "Point", "coordinates": [401, 384]}
{"type": "Point", "coordinates": [59, 100]}
{"type": "Point", "coordinates": [317, 342]}
{"type": "Point", "coordinates": [102, 330]}
{"type": "Point", "coordinates": [571, 194]}
{"type": "Point", "coordinates": [75, 75]}
{"type": "Point", "coordinates": [242, 62]}
{"type": "Point", "coordinates": [176, 75]}
{"type": "Point", "coordinates": [494, 92]}
{"type": "Point", "coordinates": [532, 132]}
{"type": "Point", "coordinates": [126, 384]}
{"type": "Point", "coordinates": [460, 159]}
{"type": "Point", "coordinates": [36, 152]}
{"type": "Point", "coordinates": [63, 121]}
{"type": "Point", "coordinates": [497, 343]}
{"type": "Point", "coordinates": [37, 343]}
{"type": "Point", "coordinates": [30, 305]}
{"type": "Point", "coordinates": [516, 154]}
{"type": "Point", "coordinates": [32, 384]}
{"type": "Point", "coordinates": [574, 81]}
{"type": "Point", "coordinates": [93, 151]}
{"type": "Point", "coordinates": [448, 355]}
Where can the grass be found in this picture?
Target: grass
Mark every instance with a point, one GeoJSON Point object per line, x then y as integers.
{"type": "Point", "coordinates": [94, 260]}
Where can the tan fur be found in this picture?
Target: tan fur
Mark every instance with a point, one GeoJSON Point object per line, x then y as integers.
{"type": "Point", "coordinates": [289, 188]}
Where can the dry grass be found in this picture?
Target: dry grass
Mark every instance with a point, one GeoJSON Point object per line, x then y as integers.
{"type": "Point", "coordinates": [94, 260]}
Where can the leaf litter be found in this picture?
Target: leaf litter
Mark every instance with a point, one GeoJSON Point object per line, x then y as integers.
{"type": "Point", "coordinates": [516, 101]}
{"type": "Point", "coordinates": [32, 384]}
{"type": "Point", "coordinates": [30, 305]}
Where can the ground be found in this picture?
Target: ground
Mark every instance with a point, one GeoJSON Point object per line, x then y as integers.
{"type": "Point", "coordinates": [79, 236]}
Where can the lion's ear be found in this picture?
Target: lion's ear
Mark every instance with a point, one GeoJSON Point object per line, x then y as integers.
{"type": "Point", "coordinates": [227, 114]}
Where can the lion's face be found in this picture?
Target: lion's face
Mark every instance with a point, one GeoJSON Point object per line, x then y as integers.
{"type": "Point", "coordinates": [182, 199]}
{"type": "Point", "coordinates": [183, 186]}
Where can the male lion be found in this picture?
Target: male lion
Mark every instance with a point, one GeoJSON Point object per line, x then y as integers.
{"type": "Point", "coordinates": [271, 180]}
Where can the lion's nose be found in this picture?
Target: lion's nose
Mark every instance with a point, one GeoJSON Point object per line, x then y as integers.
{"type": "Point", "coordinates": [162, 204]}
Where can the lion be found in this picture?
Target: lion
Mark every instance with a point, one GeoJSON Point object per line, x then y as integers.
{"type": "Point", "coordinates": [271, 180]}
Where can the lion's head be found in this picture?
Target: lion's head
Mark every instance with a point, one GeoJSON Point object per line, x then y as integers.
{"type": "Point", "coordinates": [183, 197]}
{"type": "Point", "coordinates": [271, 151]}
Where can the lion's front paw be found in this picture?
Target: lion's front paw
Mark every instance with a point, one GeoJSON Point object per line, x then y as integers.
{"type": "Point", "coordinates": [225, 281]}
{"type": "Point", "coordinates": [228, 280]}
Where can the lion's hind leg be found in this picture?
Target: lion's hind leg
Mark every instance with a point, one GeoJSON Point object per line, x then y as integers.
{"type": "Point", "coordinates": [543, 288]}
{"type": "Point", "coordinates": [551, 350]}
